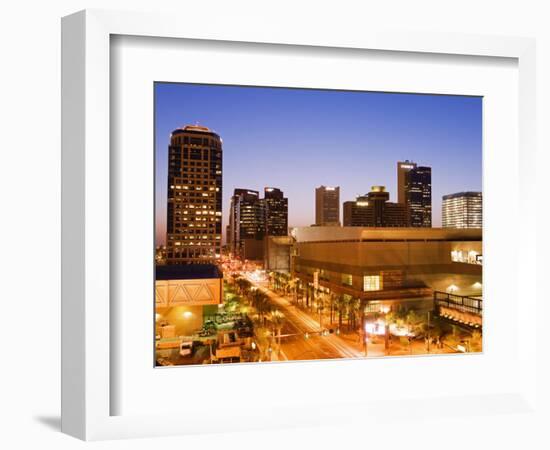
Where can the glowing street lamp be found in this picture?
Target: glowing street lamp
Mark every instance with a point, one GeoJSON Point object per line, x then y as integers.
{"type": "Point", "coordinates": [452, 288]}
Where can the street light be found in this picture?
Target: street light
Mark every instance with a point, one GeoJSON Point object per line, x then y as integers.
{"type": "Point", "coordinates": [366, 328]}
{"type": "Point", "coordinates": [429, 339]}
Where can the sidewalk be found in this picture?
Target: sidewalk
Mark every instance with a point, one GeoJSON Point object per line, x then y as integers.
{"type": "Point", "coordinates": [353, 339]}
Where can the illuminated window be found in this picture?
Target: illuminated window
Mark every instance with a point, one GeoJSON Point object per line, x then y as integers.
{"type": "Point", "coordinates": [347, 279]}
{"type": "Point", "coordinates": [371, 283]}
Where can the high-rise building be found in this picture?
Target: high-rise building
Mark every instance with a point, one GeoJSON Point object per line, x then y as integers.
{"type": "Point", "coordinates": [276, 212]}
{"type": "Point", "coordinates": [414, 190]}
{"type": "Point", "coordinates": [246, 223]}
{"type": "Point", "coordinates": [327, 206]}
{"type": "Point", "coordinates": [374, 210]}
{"type": "Point", "coordinates": [194, 200]}
{"type": "Point", "coordinates": [358, 213]}
{"type": "Point", "coordinates": [462, 210]}
{"type": "Point", "coordinates": [403, 167]}
{"type": "Point", "coordinates": [418, 189]}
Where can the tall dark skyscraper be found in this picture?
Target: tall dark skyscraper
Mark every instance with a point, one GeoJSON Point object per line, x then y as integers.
{"type": "Point", "coordinates": [327, 206]}
{"type": "Point", "coordinates": [403, 168]}
{"type": "Point", "coordinates": [276, 212]}
{"type": "Point", "coordinates": [374, 210]}
{"type": "Point", "coordinates": [194, 200]}
{"type": "Point", "coordinates": [246, 219]}
{"type": "Point", "coordinates": [414, 190]}
{"type": "Point", "coordinates": [418, 187]}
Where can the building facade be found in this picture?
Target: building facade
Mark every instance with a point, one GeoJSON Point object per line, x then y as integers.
{"type": "Point", "coordinates": [246, 224]}
{"type": "Point", "coordinates": [462, 210]}
{"type": "Point", "coordinates": [391, 267]}
{"type": "Point", "coordinates": [194, 200]}
{"type": "Point", "coordinates": [358, 213]}
{"type": "Point", "coordinates": [418, 188]}
{"type": "Point", "coordinates": [414, 190]}
{"type": "Point", "coordinates": [374, 210]}
{"type": "Point", "coordinates": [327, 206]}
{"type": "Point", "coordinates": [183, 294]}
{"type": "Point", "coordinates": [276, 212]}
{"type": "Point", "coordinates": [403, 168]}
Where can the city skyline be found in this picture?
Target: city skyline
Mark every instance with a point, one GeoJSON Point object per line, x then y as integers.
{"type": "Point", "coordinates": [297, 140]}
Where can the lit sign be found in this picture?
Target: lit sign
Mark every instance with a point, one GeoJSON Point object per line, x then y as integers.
{"type": "Point", "coordinates": [330, 189]}
{"type": "Point", "coordinates": [406, 166]}
{"type": "Point", "coordinates": [378, 327]}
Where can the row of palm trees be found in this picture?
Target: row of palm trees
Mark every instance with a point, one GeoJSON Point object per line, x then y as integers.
{"type": "Point", "coordinates": [346, 307]}
{"type": "Point", "coordinates": [340, 306]}
{"type": "Point", "coordinates": [268, 315]}
{"type": "Point", "coordinates": [254, 296]}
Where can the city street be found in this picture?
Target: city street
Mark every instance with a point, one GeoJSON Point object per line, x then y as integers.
{"type": "Point", "coordinates": [294, 345]}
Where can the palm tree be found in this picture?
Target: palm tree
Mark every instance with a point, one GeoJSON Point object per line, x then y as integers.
{"type": "Point", "coordinates": [390, 318]}
{"type": "Point", "coordinates": [292, 285]}
{"type": "Point", "coordinates": [308, 295]}
{"type": "Point", "coordinates": [243, 286]}
{"type": "Point", "coordinates": [414, 322]}
{"type": "Point", "coordinates": [354, 307]}
{"type": "Point", "coordinates": [261, 303]}
{"type": "Point", "coordinates": [272, 278]}
{"type": "Point", "coordinates": [331, 299]}
{"type": "Point", "coordinates": [341, 308]}
{"type": "Point", "coordinates": [277, 320]}
{"type": "Point", "coordinates": [284, 280]}
{"type": "Point", "coordinates": [321, 299]}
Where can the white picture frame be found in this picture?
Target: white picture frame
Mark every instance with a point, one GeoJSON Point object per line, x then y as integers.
{"type": "Point", "coordinates": [86, 218]}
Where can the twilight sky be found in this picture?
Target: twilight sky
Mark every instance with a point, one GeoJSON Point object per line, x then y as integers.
{"type": "Point", "coordinates": [298, 139]}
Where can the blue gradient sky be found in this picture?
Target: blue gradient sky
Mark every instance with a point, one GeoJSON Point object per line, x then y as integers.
{"type": "Point", "coordinates": [297, 139]}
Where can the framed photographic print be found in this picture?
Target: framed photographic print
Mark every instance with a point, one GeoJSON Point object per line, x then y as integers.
{"type": "Point", "coordinates": [296, 211]}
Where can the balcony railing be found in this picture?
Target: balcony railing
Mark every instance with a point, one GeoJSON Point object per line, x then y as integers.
{"type": "Point", "coordinates": [460, 303]}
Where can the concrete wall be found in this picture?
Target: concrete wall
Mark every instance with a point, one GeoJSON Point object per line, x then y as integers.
{"type": "Point", "coordinates": [384, 254]}
{"type": "Point", "coordinates": [277, 253]}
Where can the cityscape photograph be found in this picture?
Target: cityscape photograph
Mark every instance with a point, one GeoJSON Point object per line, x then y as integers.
{"type": "Point", "coordinates": [298, 224]}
